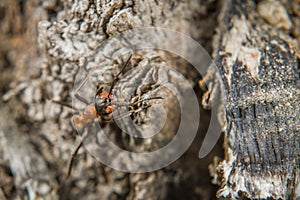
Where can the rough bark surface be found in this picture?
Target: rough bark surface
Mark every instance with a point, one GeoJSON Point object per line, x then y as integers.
{"type": "Point", "coordinates": [258, 66]}
{"type": "Point", "coordinates": [44, 45]}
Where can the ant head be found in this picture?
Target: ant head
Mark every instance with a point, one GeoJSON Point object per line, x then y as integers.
{"type": "Point", "coordinates": [101, 104]}
{"type": "Point", "coordinates": [99, 90]}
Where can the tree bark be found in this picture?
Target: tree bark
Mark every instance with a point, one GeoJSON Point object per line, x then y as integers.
{"type": "Point", "coordinates": [46, 44]}
{"type": "Point", "coordinates": [258, 65]}
{"type": "Point", "coordinates": [58, 39]}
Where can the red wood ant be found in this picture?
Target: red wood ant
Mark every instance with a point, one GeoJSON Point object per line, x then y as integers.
{"type": "Point", "coordinates": [100, 109]}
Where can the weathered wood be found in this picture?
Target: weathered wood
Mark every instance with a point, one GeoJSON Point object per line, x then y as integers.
{"type": "Point", "coordinates": [62, 42]}
{"type": "Point", "coordinates": [258, 64]}
{"type": "Point", "coordinates": [31, 174]}
{"type": "Point", "coordinates": [69, 40]}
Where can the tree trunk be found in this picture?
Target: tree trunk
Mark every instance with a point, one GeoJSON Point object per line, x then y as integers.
{"type": "Point", "coordinates": [47, 48]}
{"type": "Point", "coordinates": [258, 65]}
{"type": "Point", "coordinates": [58, 42]}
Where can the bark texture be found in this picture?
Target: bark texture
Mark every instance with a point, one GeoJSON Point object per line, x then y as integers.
{"type": "Point", "coordinates": [258, 66]}
{"type": "Point", "coordinates": [44, 46]}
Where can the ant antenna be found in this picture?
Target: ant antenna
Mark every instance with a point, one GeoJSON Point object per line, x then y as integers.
{"type": "Point", "coordinates": [117, 76]}
{"type": "Point", "coordinates": [64, 105]}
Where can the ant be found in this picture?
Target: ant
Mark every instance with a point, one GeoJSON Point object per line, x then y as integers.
{"type": "Point", "coordinates": [101, 108]}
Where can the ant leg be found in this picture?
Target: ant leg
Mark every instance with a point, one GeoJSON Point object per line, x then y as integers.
{"type": "Point", "coordinates": [130, 112]}
{"type": "Point", "coordinates": [74, 154]}
{"type": "Point", "coordinates": [145, 99]}
{"type": "Point", "coordinates": [64, 104]}
{"type": "Point", "coordinates": [135, 103]}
